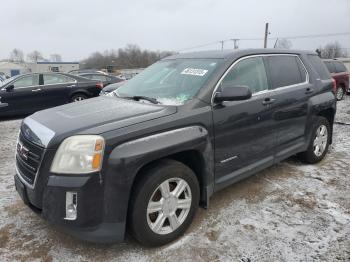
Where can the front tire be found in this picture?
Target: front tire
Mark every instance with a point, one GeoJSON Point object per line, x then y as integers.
{"type": "Point", "coordinates": [319, 143]}
{"type": "Point", "coordinates": [164, 202]}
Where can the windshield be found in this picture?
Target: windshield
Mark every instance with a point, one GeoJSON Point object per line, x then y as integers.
{"type": "Point", "coordinates": [171, 82]}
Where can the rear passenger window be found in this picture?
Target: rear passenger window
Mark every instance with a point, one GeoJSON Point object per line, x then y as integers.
{"type": "Point", "coordinates": [248, 72]}
{"type": "Point", "coordinates": [330, 66]}
{"type": "Point", "coordinates": [285, 71]}
{"type": "Point", "coordinates": [339, 67]}
{"type": "Point", "coordinates": [319, 67]}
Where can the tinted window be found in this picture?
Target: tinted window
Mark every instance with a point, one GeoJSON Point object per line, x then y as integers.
{"type": "Point", "coordinates": [98, 77]}
{"type": "Point", "coordinates": [87, 76]}
{"type": "Point", "coordinates": [339, 67]}
{"type": "Point", "coordinates": [30, 80]}
{"type": "Point", "coordinates": [285, 71]}
{"type": "Point", "coordinates": [319, 67]}
{"type": "Point", "coordinates": [248, 72]}
{"type": "Point", "coordinates": [330, 66]}
{"type": "Point", "coordinates": [50, 79]}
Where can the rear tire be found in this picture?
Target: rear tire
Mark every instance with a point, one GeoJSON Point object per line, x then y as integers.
{"type": "Point", "coordinates": [163, 203]}
{"type": "Point", "coordinates": [319, 143]}
{"type": "Point", "coordinates": [340, 93]}
{"type": "Point", "coordinates": [78, 97]}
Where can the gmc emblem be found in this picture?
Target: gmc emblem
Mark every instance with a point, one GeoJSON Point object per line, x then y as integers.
{"type": "Point", "coordinates": [22, 151]}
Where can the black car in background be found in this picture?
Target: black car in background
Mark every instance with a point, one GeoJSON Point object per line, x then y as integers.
{"type": "Point", "coordinates": [28, 93]}
{"type": "Point", "coordinates": [105, 79]}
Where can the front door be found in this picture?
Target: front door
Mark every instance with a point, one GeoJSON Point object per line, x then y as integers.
{"type": "Point", "coordinates": [244, 140]}
{"type": "Point", "coordinates": [24, 98]}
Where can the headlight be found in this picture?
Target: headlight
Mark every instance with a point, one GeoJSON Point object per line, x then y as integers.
{"type": "Point", "coordinates": [79, 154]}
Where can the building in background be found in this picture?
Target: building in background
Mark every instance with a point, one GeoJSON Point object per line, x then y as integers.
{"type": "Point", "coordinates": [64, 67]}
{"type": "Point", "coordinates": [12, 69]}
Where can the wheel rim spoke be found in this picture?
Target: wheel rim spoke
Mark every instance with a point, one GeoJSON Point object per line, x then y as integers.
{"type": "Point", "coordinates": [154, 207]}
{"type": "Point", "coordinates": [164, 189]}
{"type": "Point", "coordinates": [158, 224]}
{"type": "Point", "coordinates": [174, 221]}
{"type": "Point", "coordinates": [184, 203]}
{"type": "Point", "coordinates": [180, 187]}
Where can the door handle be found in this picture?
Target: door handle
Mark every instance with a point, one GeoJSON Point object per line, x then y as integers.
{"type": "Point", "coordinates": [268, 101]}
{"type": "Point", "coordinates": [36, 90]}
{"type": "Point", "coordinates": [71, 86]}
{"type": "Point", "coordinates": [309, 90]}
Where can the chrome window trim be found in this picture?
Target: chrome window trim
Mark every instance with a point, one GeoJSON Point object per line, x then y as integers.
{"type": "Point", "coordinates": [307, 80]}
{"type": "Point", "coordinates": [20, 77]}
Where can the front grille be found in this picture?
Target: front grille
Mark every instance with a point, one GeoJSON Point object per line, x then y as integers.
{"type": "Point", "coordinates": [28, 159]}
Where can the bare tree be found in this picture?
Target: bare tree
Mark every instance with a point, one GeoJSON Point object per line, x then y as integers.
{"type": "Point", "coordinates": [55, 58]}
{"type": "Point", "coordinates": [35, 56]}
{"type": "Point", "coordinates": [17, 55]}
{"type": "Point", "coordinates": [283, 43]}
{"type": "Point", "coordinates": [332, 50]}
{"type": "Point", "coordinates": [129, 57]}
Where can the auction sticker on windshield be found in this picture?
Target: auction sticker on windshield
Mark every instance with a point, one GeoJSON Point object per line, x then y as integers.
{"type": "Point", "coordinates": [194, 71]}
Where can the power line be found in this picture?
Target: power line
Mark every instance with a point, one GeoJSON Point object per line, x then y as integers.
{"type": "Point", "coordinates": [272, 38]}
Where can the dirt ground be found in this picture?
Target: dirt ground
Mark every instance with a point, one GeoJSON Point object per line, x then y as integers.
{"type": "Point", "coordinates": [289, 212]}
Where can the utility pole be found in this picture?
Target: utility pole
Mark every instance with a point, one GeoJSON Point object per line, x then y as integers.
{"type": "Point", "coordinates": [235, 43]}
{"type": "Point", "coordinates": [266, 34]}
{"type": "Point", "coordinates": [222, 45]}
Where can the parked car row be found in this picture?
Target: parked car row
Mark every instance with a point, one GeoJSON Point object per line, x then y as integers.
{"type": "Point", "coordinates": [28, 93]}
{"type": "Point", "coordinates": [105, 79]}
{"type": "Point", "coordinates": [341, 76]}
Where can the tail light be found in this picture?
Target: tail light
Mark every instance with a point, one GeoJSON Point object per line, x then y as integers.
{"type": "Point", "coordinates": [99, 85]}
{"type": "Point", "coordinates": [334, 86]}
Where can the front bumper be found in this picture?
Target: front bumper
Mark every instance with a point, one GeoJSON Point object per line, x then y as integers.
{"type": "Point", "coordinates": [91, 223]}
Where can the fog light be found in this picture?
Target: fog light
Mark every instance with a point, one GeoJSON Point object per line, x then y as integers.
{"type": "Point", "coordinates": [71, 206]}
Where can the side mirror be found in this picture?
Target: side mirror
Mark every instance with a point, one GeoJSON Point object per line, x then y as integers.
{"type": "Point", "coordinates": [9, 88]}
{"type": "Point", "coordinates": [233, 93]}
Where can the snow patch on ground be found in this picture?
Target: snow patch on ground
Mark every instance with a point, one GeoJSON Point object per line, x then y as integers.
{"type": "Point", "coordinates": [288, 212]}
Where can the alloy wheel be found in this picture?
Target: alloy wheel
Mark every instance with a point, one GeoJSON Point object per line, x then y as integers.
{"type": "Point", "coordinates": [320, 141]}
{"type": "Point", "coordinates": [169, 206]}
{"type": "Point", "coordinates": [340, 93]}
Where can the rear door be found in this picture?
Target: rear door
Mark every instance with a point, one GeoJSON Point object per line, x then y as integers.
{"type": "Point", "coordinates": [24, 98]}
{"type": "Point", "coordinates": [244, 140]}
{"type": "Point", "coordinates": [290, 94]}
{"type": "Point", "coordinates": [56, 89]}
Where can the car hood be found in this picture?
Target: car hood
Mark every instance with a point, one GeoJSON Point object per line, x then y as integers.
{"type": "Point", "coordinates": [92, 116]}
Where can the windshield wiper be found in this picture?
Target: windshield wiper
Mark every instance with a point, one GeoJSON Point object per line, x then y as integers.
{"type": "Point", "coordinates": [137, 98]}
{"type": "Point", "coordinates": [150, 99]}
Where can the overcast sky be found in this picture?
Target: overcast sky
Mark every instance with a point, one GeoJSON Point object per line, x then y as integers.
{"type": "Point", "coordinates": [76, 28]}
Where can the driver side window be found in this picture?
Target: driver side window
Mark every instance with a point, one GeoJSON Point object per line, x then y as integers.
{"type": "Point", "coordinates": [30, 80]}
{"type": "Point", "coordinates": [248, 72]}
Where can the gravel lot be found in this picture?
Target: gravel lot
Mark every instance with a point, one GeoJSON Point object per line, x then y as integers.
{"type": "Point", "coordinates": [289, 212]}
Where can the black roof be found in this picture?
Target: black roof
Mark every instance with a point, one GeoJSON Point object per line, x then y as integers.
{"type": "Point", "coordinates": [227, 54]}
